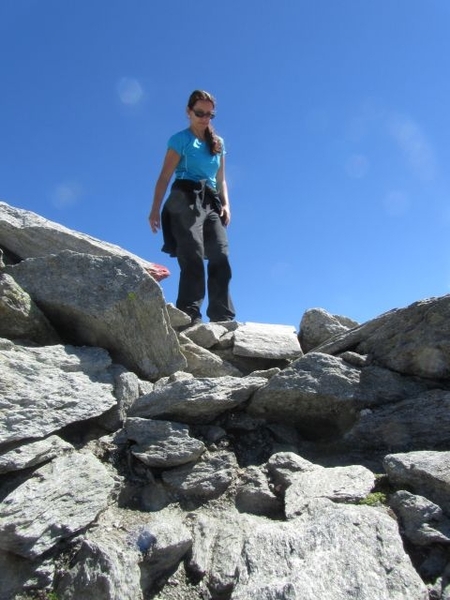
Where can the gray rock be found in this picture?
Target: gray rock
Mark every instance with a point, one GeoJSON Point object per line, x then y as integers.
{"type": "Point", "coordinates": [214, 555]}
{"type": "Point", "coordinates": [414, 340]}
{"type": "Point", "coordinates": [115, 305]}
{"type": "Point", "coordinates": [19, 575]}
{"type": "Point", "coordinates": [206, 479]}
{"type": "Point", "coordinates": [322, 395]}
{"type": "Point", "coordinates": [203, 363]}
{"type": "Point", "coordinates": [426, 473]}
{"type": "Point", "coordinates": [423, 522]}
{"type": "Point", "coordinates": [105, 567]}
{"type": "Point", "coordinates": [254, 496]}
{"type": "Point", "coordinates": [20, 318]}
{"type": "Point", "coordinates": [123, 558]}
{"type": "Point", "coordinates": [127, 389]}
{"type": "Point", "coordinates": [332, 551]}
{"type": "Point", "coordinates": [206, 335]}
{"type": "Point", "coordinates": [29, 235]}
{"type": "Point", "coordinates": [168, 541]}
{"type": "Point", "coordinates": [283, 468]}
{"type": "Point", "coordinates": [387, 389]}
{"type": "Point", "coordinates": [177, 317]}
{"type": "Point", "coordinates": [58, 500]}
{"type": "Point", "coordinates": [44, 389]}
{"type": "Point", "coordinates": [339, 484]}
{"type": "Point", "coordinates": [196, 400]}
{"type": "Point", "coordinates": [421, 423]}
{"type": "Point", "coordinates": [318, 325]}
{"type": "Point", "coordinates": [31, 454]}
{"type": "Point", "coordinates": [162, 444]}
{"type": "Point", "coordinates": [261, 340]}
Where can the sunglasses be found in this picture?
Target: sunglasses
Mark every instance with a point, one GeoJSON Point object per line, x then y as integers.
{"type": "Point", "coordinates": [201, 113]}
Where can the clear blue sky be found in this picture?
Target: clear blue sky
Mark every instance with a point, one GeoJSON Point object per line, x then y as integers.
{"type": "Point", "coordinates": [335, 114]}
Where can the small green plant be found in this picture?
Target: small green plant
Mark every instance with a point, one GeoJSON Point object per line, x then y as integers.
{"type": "Point", "coordinates": [374, 499]}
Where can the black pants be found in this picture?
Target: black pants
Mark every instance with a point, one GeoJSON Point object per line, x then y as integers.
{"type": "Point", "coordinates": [199, 234]}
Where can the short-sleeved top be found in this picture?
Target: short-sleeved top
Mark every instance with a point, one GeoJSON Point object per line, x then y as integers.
{"type": "Point", "coordinates": [196, 162]}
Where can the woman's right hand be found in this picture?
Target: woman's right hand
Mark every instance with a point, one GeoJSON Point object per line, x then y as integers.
{"type": "Point", "coordinates": [154, 218]}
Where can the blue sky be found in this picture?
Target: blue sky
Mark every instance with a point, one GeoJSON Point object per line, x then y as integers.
{"type": "Point", "coordinates": [335, 116]}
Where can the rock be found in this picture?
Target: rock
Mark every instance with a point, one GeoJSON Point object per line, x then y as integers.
{"type": "Point", "coordinates": [206, 335]}
{"type": "Point", "coordinates": [414, 340]}
{"type": "Point", "coordinates": [162, 443]}
{"type": "Point", "coordinates": [29, 235]}
{"type": "Point", "coordinates": [340, 484]}
{"type": "Point", "coordinates": [318, 326]}
{"type": "Point", "coordinates": [127, 389]}
{"type": "Point", "coordinates": [20, 318]}
{"type": "Point", "coordinates": [254, 495]}
{"type": "Point", "coordinates": [31, 454]}
{"type": "Point", "coordinates": [177, 317]}
{"type": "Point", "coordinates": [105, 566]}
{"type": "Point", "coordinates": [247, 557]}
{"type": "Point", "coordinates": [415, 423]}
{"type": "Point", "coordinates": [124, 559]}
{"type": "Point", "coordinates": [260, 340]}
{"type": "Point", "coordinates": [44, 389]}
{"type": "Point", "coordinates": [322, 395]}
{"type": "Point", "coordinates": [196, 400]}
{"type": "Point", "coordinates": [214, 461]}
{"type": "Point", "coordinates": [130, 320]}
{"type": "Point", "coordinates": [423, 522]}
{"type": "Point", "coordinates": [206, 479]}
{"type": "Point", "coordinates": [18, 575]}
{"type": "Point", "coordinates": [425, 473]}
{"type": "Point", "coordinates": [58, 500]}
{"type": "Point", "coordinates": [202, 363]}
{"type": "Point", "coordinates": [284, 466]}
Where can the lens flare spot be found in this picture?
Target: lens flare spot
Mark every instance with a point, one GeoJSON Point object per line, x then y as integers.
{"type": "Point", "coordinates": [357, 166]}
{"type": "Point", "coordinates": [130, 91]}
{"type": "Point", "coordinates": [431, 361]}
{"type": "Point", "coordinates": [396, 203]}
{"type": "Point", "coordinates": [66, 194]}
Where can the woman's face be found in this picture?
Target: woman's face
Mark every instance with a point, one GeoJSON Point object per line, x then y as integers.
{"type": "Point", "coordinates": [201, 113]}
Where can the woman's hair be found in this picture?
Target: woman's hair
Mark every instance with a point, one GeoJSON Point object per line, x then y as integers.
{"type": "Point", "coordinates": [212, 139]}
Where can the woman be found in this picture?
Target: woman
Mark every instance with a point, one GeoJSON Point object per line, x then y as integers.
{"type": "Point", "coordinates": [196, 213]}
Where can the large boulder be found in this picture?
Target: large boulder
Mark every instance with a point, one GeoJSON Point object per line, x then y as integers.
{"type": "Point", "coordinates": [318, 326]}
{"type": "Point", "coordinates": [44, 389]}
{"type": "Point", "coordinates": [61, 498]}
{"type": "Point", "coordinates": [323, 395]}
{"type": "Point", "coordinates": [414, 340]}
{"type": "Point", "coordinates": [330, 551]}
{"type": "Point", "coordinates": [28, 235]}
{"type": "Point", "coordinates": [20, 318]}
{"type": "Point", "coordinates": [105, 301]}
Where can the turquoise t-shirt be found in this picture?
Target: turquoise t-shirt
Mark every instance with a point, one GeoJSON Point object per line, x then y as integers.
{"type": "Point", "coordinates": [196, 161]}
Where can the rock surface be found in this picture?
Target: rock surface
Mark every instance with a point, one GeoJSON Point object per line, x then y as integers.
{"type": "Point", "coordinates": [140, 459]}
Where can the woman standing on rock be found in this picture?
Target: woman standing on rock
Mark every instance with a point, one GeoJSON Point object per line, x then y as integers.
{"type": "Point", "coordinates": [196, 212]}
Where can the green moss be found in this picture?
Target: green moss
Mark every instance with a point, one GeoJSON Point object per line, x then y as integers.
{"type": "Point", "coordinates": [374, 499]}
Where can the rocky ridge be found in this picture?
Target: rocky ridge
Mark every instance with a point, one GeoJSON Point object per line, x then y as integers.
{"type": "Point", "coordinates": [141, 459]}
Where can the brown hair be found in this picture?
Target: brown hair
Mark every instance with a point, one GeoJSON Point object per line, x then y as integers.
{"type": "Point", "coordinates": [212, 139]}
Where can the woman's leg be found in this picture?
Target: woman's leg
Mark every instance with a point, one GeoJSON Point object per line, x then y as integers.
{"type": "Point", "coordinates": [220, 305]}
{"type": "Point", "coordinates": [187, 228]}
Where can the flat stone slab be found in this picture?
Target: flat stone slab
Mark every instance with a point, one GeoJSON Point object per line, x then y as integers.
{"type": "Point", "coordinates": [43, 389]}
{"type": "Point", "coordinates": [263, 340]}
{"type": "Point", "coordinates": [58, 500]}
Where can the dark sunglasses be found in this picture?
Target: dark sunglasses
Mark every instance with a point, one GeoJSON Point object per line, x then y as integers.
{"type": "Point", "coordinates": [201, 113]}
